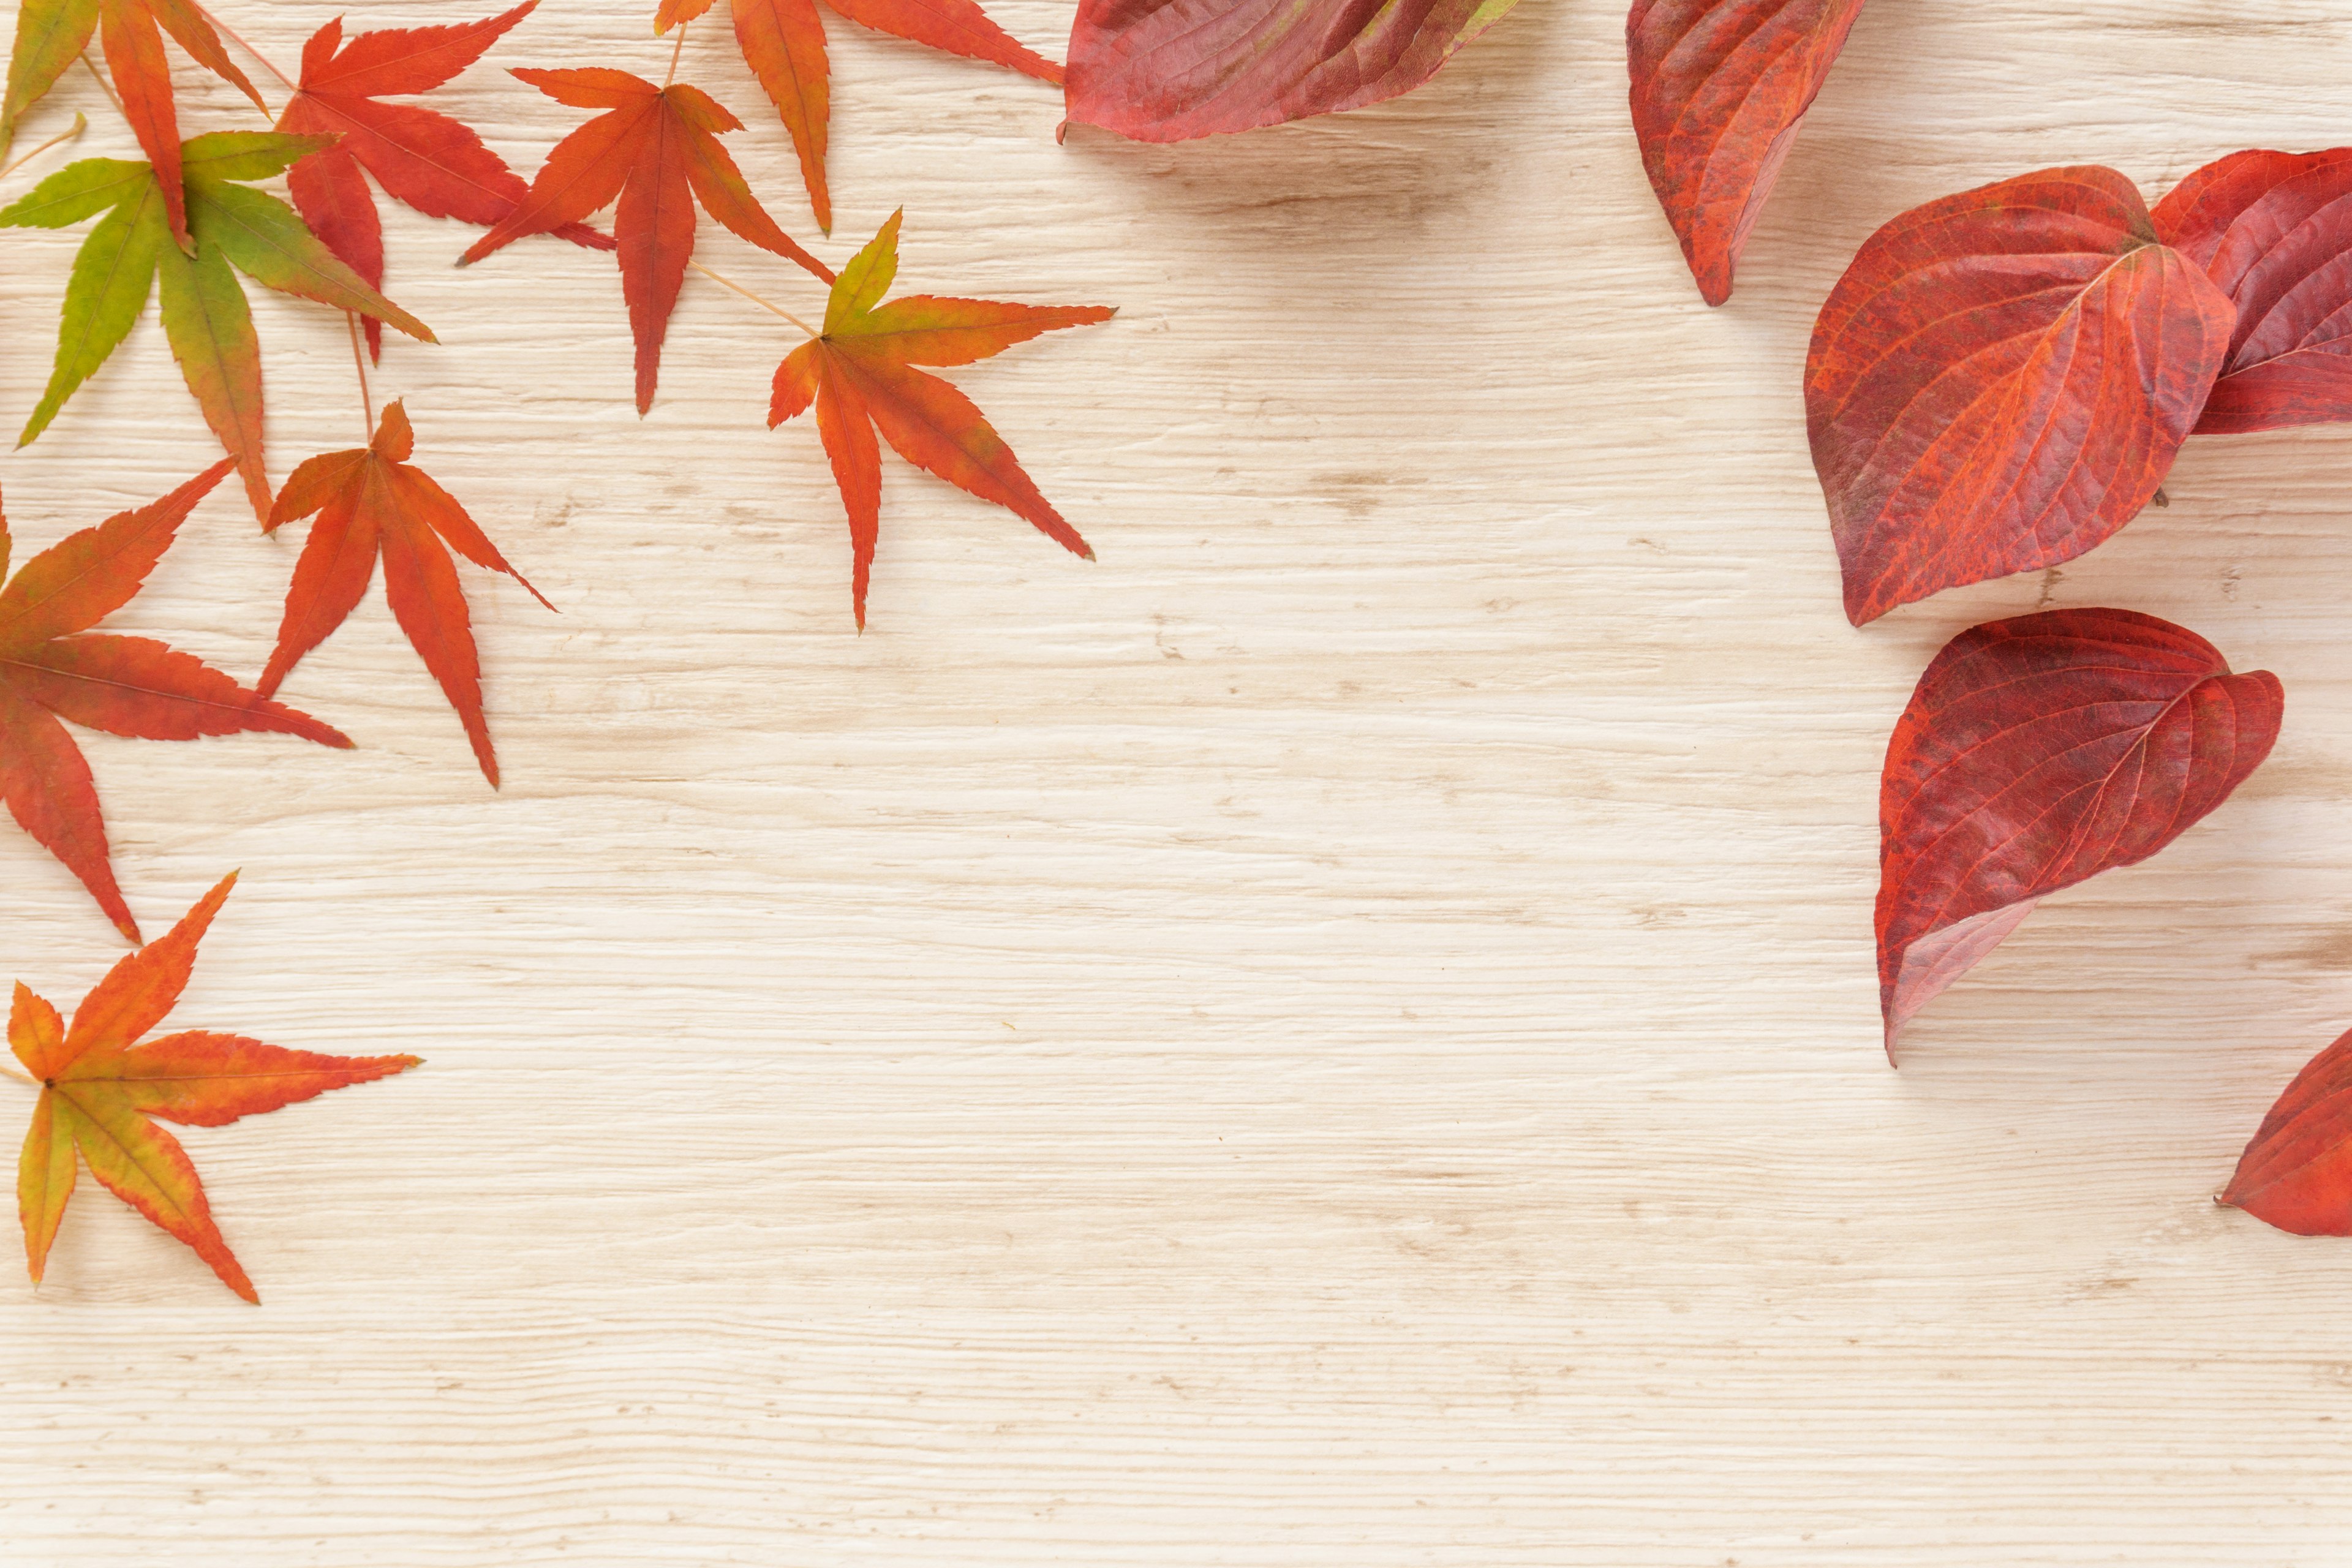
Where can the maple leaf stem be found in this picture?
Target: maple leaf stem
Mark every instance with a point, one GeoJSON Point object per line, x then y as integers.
{"type": "Point", "coordinates": [104, 86]}
{"type": "Point", "coordinates": [221, 27]}
{"type": "Point", "coordinates": [80, 124]}
{"type": "Point", "coordinates": [731, 283]}
{"type": "Point", "coordinates": [20, 1077]}
{"type": "Point", "coordinates": [359, 359]}
{"type": "Point", "coordinates": [675, 50]}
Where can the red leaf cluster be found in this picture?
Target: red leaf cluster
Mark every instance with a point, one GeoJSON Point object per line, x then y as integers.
{"type": "Point", "coordinates": [2001, 378]}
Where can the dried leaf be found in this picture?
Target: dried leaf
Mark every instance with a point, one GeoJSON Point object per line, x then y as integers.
{"type": "Point", "coordinates": [2273, 230]}
{"type": "Point", "coordinates": [421, 157]}
{"type": "Point", "coordinates": [53, 667]}
{"type": "Point", "coordinates": [2037, 752]}
{"type": "Point", "coordinates": [657, 150]}
{"type": "Point", "coordinates": [102, 1091]}
{"type": "Point", "coordinates": [1720, 90]}
{"type": "Point", "coordinates": [204, 308]}
{"type": "Point", "coordinates": [371, 501]}
{"type": "Point", "coordinates": [1167, 70]}
{"type": "Point", "coordinates": [859, 375]}
{"type": "Point", "coordinates": [1999, 382]}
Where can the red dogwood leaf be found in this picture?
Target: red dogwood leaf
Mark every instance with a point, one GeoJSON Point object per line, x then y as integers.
{"type": "Point", "coordinates": [859, 373]}
{"type": "Point", "coordinates": [784, 42]}
{"type": "Point", "coordinates": [422, 158]}
{"type": "Point", "coordinates": [371, 500]}
{"type": "Point", "coordinates": [102, 1090]}
{"type": "Point", "coordinates": [2001, 379]}
{"type": "Point", "coordinates": [2296, 1173]}
{"type": "Point", "coordinates": [656, 149]}
{"type": "Point", "coordinates": [1720, 89]}
{"type": "Point", "coordinates": [2274, 231]}
{"type": "Point", "coordinates": [52, 667]}
{"type": "Point", "coordinates": [1167, 70]}
{"type": "Point", "coordinates": [2035, 754]}
{"type": "Point", "coordinates": [50, 33]}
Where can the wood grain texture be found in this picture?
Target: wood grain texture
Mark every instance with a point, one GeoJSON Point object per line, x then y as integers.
{"type": "Point", "coordinates": [1342, 1033]}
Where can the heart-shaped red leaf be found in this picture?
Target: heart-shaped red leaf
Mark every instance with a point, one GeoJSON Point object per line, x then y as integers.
{"type": "Point", "coordinates": [2273, 230]}
{"type": "Point", "coordinates": [2037, 752]}
{"type": "Point", "coordinates": [2296, 1173]}
{"type": "Point", "coordinates": [1721, 87]}
{"type": "Point", "coordinates": [2001, 379]}
{"type": "Point", "coordinates": [1167, 70]}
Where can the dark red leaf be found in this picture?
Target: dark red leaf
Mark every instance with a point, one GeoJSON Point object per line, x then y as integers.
{"type": "Point", "coordinates": [2037, 752]}
{"type": "Point", "coordinates": [1167, 70]}
{"type": "Point", "coordinates": [2274, 231]}
{"type": "Point", "coordinates": [1720, 89]}
{"type": "Point", "coordinates": [2296, 1173]}
{"type": "Point", "coordinates": [1999, 382]}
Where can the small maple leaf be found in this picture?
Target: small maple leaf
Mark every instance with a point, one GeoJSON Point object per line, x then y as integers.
{"type": "Point", "coordinates": [370, 501]}
{"type": "Point", "coordinates": [52, 667]}
{"type": "Point", "coordinates": [50, 33]}
{"type": "Point", "coordinates": [99, 1089]}
{"type": "Point", "coordinates": [657, 150]}
{"type": "Point", "coordinates": [420, 157]}
{"type": "Point", "coordinates": [859, 373]}
{"type": "Point", "coordinates": [204, 312]}
{"type": "Point", "coordinates": [784, 42]}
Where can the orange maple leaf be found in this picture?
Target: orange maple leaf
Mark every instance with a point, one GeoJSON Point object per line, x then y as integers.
{"type": "Point", "coordinates": [100, 1089]}
{"type": "Point", "coordinates": [859, 373]}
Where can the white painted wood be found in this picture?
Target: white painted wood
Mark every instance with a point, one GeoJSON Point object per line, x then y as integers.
{"type": "Point", "coordinates": [1342, 1034]}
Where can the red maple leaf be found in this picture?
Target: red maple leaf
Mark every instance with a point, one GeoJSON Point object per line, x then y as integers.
{"type": "Point", "coordinates": [420, 157]}
{"type": "Point", "coordinates": [52, 667]}
{"type": "Point", "coordinates": [859, 374]}
{"type": "Point", "coordinates": [100, 1086]}
{"type": "Point", "coordinates": [371, 500]}
{"type": "Point", "coordinates": [657, 150]}
{"type": "Point", "coordinates": [784, 42]}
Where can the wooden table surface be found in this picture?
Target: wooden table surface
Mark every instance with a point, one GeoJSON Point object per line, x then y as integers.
{"type": "Point", "coordinates": [1342, 1034]}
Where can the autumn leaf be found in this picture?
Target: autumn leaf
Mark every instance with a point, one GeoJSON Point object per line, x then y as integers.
{"type": "Point", "coordinates": [371, 500]}
{"type": "Point", "coordinates": [2037, 752]}
{"type": "Point", "coordinates": [784, 42]}
{"type": "Point", "coordinates": [2273, 230]}
{"type": "Point", "coordinates": [1167, 70]}
{"type": "Point", "coordinates": [1720, 90]}
{"type": "Point", "coordinates": [1999, 382]}
{"type": "Point", "coordinates": [2296, 1173]}
{"type": "Point", "coordinates": [50, 33]}
{"type": "Point", "coordinates": [205, 317]}
{"type": "Point", "coordinates": [420, 157]}
{"type": "Point", "coordinates": [656, 149]}
{"type": "Point", "coordinates": [859, 374]}
{"type": "Point", "coordinates": [53, 667]}
{"type": "Point", "coordinates": [102, 1092]}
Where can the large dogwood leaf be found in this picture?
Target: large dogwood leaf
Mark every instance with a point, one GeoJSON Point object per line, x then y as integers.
{"type": "Point", "coordinates": [1166, 70]}
{"type": "Point", "coordinates": [2037, 752]}
{"type": "Point", "coordinates": [103, 1090]}
{"type": "Point", "coordinates": [1720, 89]}
{"type": "Point", "coordinates": [2273, 230]}
{"type": "Point", "coordinates": [2296, 1173]}
{"type": "Point", "coordinates": [2001, 379]}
